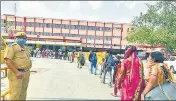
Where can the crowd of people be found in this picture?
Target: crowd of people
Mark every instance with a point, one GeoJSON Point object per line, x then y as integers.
{"type": "Point", "coordinates": [53, 54]}
{"type": "Point", "coordinates": [128, 76]}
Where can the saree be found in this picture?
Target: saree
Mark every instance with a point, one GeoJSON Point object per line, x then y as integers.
{"type": "Point", "coordinates": [133, 79]}
{"type": "Point", "coordinates": [116, 78]}
{"type": "Point", "coordinates": [165, 89]}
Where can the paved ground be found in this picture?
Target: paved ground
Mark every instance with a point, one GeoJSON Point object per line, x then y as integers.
{"type": "Point", "coordinates": [59, 79]}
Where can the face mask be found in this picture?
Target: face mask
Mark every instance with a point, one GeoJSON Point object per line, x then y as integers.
{"type": "Point", "coordinates": [21, 41]}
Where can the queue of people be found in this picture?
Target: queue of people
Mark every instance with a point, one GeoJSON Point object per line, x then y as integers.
{"type": "Point", "coordinates": [131, 81]}
{"type": "Point", "coordinates": [128, 76]}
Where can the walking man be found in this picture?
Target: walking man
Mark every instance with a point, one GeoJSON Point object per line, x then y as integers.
{"type": "Point", "coordinates": [108, 67]}
{"type": "Point", "coordinates": [17, 58]}
{"type": "Point", "coordinates": [79, 58]}
{"type": "Point", "coordinates": [93, 62]}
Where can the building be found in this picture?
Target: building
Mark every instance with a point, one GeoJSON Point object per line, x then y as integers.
{"type": "Point", "coordinates": [46, 32]}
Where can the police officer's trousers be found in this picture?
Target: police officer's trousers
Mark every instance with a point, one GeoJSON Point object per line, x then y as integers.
{"type": "Point", "coordinates": [18, 87]}
{"type": "Point", "coordinates": [108, 69]}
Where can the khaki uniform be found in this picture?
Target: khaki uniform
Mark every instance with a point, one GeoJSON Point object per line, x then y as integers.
{"type": "Point", "coordinates": [21, 59]}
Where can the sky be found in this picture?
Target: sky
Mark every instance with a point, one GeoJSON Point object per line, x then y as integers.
{"type": "Point", "coordinates": [104, 11]}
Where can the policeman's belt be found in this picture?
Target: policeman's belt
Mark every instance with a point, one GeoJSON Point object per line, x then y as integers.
{"type": "Point", "coordinates": [22, 70]}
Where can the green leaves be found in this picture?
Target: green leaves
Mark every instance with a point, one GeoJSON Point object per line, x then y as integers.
{"type": "Point", "coordinates": [157, 26]}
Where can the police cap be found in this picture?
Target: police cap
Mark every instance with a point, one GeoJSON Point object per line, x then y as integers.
{"type": "Point", "coordinates": [20, 34]}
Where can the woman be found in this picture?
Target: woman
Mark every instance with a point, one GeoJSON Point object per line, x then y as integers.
{"type": "Point", "coordinates": [73, 56]}
{"type": "Point", "coordinates": [131, 72]}
{"type": "Point", "coordinates": [116, 78]}
{"type": "Point", "coordinates": [159, 73]}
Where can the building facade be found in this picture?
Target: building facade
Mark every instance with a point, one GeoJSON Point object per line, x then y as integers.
{"type": "Point", "coordinates": [90, 34]}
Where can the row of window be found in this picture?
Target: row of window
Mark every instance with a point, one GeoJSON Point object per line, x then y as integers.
{"type": "Point", "coordinates": [91, 37]}
{"type": "Point", "coordinates": [101, 44]}
{"type": "Point", "coordinates": [64, 26]}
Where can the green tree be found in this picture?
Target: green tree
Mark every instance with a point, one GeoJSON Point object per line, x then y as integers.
{"type": "Point", "coordinates": [157, 26]}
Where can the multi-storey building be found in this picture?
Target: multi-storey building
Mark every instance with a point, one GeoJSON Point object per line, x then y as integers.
{"type": "Point", "coordinates": [87, 34]}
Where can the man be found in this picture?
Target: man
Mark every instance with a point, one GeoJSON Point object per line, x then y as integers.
{"type": "Point", "coordinates": [17, 58]}
{"type": "Point", "coordinates": [93, 62]}
{"type": "Point", "coordinates": [108, 67]}
{"type": "Point", "coordinates": [79, 58]}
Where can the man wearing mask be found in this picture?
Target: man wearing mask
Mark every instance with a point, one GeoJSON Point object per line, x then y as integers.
{"type": "Point", "coordinates": [17, 58]}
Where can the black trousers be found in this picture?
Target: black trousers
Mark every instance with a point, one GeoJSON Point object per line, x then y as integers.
{"type": "Point", "coordinates": [108, 69]}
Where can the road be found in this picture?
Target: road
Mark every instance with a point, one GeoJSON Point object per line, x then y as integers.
{"type": "Point", "coordinates": [59, 80]}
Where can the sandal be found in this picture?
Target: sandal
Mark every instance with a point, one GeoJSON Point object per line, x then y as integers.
{"type": "Point", "coordinates": [114, 94]}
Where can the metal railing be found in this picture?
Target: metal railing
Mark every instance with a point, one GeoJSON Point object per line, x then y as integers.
{"type": "Point", "coordinates": [5, 93]}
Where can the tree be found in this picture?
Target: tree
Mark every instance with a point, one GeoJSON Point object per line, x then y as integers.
{"type": "Point", "coordinates": [157, 26]}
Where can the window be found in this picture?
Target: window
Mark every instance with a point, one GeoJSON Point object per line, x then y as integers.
{"type": "Point", "coordinates": [28, 24]}
{"type": "Point", "coordinates": [40, 33]}
{"type": "Point", "coordinates": [89, 27]}
{"type": "Point", "coordinates": [48, 25]}
{"type": "Point", "coordinates": [73, 26]}
{"type": "Point", "coordinates": [85, 27]}
{"type": "Point", "coordinates": [127, 29]}
{"type": "Point", "coordinates": [36, 33]}
{"type": "Point", "coordinates": [44, 25]}
{"type": "Point", "coordinates": [12, 23]}
{"type": "Point", "coordinates": [32, 24]}
{"type": "Point", "coordinates": [67, 26]}
{"type": "Point", "coordinates": [48, 34]}
{"type": "Point", "coordinates": [63, 26]}
{"type": "Point", "coordinates": [69, 35]}
{"type": "Point", "coordinates": [40, 25]}
{"type": "Point", "coordinates": [97, 28]}
{"type": "Point", "coordinates": [74, 35]}
{"type": "Point", "coordinates": [117, 28]}
{"type": "Point", "coordinates": [44, 34]}
{"type": "Point", "coordinates": [32, 33]}
{"type": "Point", "coordinates": [58, 26]}
{"type": "Point", "coordinates": [82, 27]}
{"type": "Point", "coordinates": [36, 24]}
{"type": "Point", "coordinates": [76, 26]}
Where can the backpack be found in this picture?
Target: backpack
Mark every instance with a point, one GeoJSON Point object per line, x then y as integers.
{"type": "Point", "coordinates": [110, 60]}
{"type": "Point", "coordinates": [94, 57]}
{"type": "Point", "coordinates": [82, 60]}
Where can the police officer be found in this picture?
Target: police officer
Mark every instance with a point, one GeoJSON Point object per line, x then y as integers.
{"type": "Point", "coordinates": [17, 58]}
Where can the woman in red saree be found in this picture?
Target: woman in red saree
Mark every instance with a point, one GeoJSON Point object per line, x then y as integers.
{"type": "Point", "coordinates": [131, 79]}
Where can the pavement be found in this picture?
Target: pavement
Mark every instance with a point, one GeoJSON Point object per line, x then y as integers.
{"type": "Point", "coordinates": [61, 80]}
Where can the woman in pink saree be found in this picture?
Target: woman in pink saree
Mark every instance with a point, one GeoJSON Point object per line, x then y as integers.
{"type": "Point", "coordinates": [131, 79]}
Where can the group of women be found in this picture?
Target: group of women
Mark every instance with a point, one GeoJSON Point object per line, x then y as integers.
{"type": "Point", "coordinates": [131, 81]}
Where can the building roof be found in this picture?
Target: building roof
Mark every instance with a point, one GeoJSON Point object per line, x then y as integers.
{"type": "Point", "coordinates": [69, 19]}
